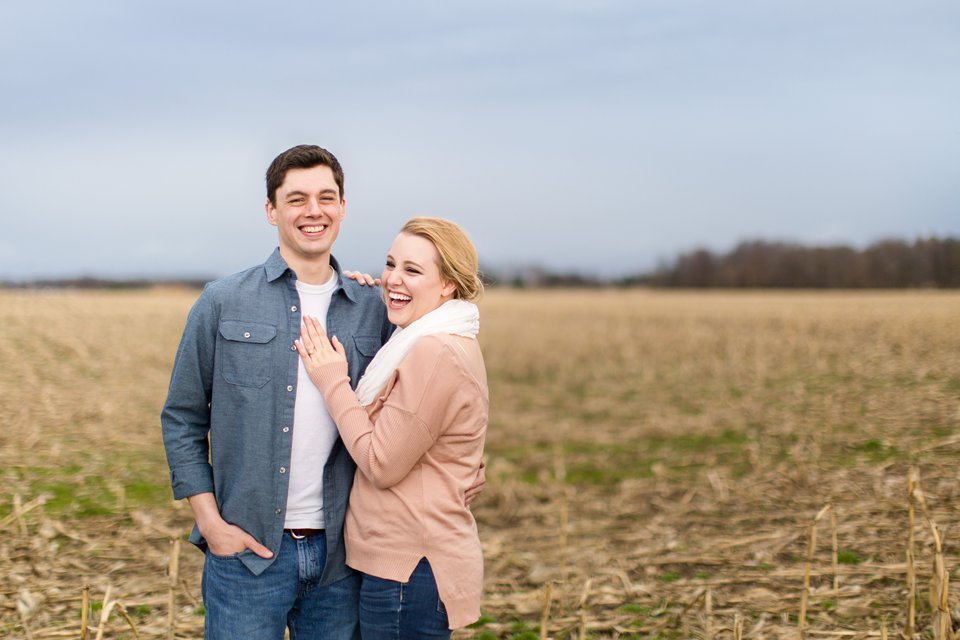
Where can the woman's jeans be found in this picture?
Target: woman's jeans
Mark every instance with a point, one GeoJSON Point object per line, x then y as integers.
{"type": "Point", "coordinates": [241, 605]}
{"type": "Point", "coordinates": [402, 610]}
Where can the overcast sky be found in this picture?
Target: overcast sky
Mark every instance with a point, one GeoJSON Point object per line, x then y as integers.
{"type": "Point", "coordinates": [595, 136]}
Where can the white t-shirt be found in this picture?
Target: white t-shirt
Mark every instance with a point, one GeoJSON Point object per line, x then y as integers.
{"type": "Point", "coordinates": [314, 431]}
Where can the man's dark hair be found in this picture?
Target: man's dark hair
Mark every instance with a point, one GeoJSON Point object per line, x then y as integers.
{"type": "Point", "coordinates": [302, 156]}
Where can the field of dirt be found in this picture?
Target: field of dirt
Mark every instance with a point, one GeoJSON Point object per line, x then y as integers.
{"type": "Point", "coordinates": [660, 465]}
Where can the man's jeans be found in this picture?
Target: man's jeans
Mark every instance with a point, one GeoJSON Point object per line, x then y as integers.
{"type": "Point", "coordinates": [409, 610]}
{"type": "Point", "coordinates": [240, 604]}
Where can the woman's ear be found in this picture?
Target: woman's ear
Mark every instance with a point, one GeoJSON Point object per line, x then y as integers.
{"type": "Point", "coordinates": [448, 289]}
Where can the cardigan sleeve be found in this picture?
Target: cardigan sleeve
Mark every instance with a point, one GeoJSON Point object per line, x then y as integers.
{"type": "Point", "coordinates": [429, 387]}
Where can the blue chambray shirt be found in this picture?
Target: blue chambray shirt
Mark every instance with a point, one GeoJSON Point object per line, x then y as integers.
{"type": "Point", "coordinates": [228, 419]}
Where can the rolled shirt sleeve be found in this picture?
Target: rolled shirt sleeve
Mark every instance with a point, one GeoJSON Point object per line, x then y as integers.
{"type": "Point", "coordinates": [185, 419]}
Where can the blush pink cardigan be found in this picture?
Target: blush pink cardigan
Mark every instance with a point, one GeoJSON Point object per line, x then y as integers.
{"type": "Point", "coordinates": [418, 447]}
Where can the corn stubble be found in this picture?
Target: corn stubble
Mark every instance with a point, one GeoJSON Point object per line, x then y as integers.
{"type": "Point", "coordinates": [660, 464]}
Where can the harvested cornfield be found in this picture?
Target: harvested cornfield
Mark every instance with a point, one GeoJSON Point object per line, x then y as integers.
{"type": "Point", "coordinates": [660, 465]}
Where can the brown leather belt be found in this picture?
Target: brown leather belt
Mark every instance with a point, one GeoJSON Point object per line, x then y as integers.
{"type": "Point", "coordinates": [300, 534]}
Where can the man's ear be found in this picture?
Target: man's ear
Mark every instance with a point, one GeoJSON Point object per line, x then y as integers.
{"type": "Point", "coordinates": [271, 212]}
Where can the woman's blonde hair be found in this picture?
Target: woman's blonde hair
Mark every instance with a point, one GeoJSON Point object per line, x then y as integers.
{"type": "Point", "coordinates": [458, 256]}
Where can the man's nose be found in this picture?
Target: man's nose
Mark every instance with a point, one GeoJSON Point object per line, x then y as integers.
{"type": "Point", "coordinates": [313, 207]}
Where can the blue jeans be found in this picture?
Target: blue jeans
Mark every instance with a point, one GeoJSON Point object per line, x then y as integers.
{"type": "Point", "coordinates": [240, 604]}
{"type": "Point", "coordinates": [409, 610]}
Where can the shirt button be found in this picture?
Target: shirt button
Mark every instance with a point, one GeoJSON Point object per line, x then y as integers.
{"type": "Point", "coordinates": [293, 347]}
{"type": "Point", "coordinates": [283, 469]}
{"type": "Point", "coordinates": [286, 429]}
{"type": "Point", "coordinates": [293, 308]}
{"type": "Point", "coordinates": [277, 510]}
{"type": "Point", "coordinates": [289, 387]}
{"type": "Point", "coordinates": [246, 334]}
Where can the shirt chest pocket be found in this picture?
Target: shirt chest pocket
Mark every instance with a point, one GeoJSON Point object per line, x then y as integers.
{"type": "Point", "coordinates": [246, 352]}
{"type": "Point", "coordinates": [367, 347]}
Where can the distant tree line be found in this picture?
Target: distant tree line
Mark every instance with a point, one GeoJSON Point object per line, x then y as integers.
{"type": "Point", "coordinates": [929, 262]}
{"type": "Point", "coordinates": [87, 282]}
{"type": "Point", "coordinates": [926, 262]}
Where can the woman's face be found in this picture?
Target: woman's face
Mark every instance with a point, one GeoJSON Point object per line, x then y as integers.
{"type": "Point", "coordinates": [411, 281]}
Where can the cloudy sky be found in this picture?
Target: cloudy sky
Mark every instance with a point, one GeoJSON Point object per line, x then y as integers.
{"type": "Point", "coordinates": [588, 135]}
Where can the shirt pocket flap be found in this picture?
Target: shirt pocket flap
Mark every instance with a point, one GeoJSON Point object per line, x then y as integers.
{"type": "Point", "coordinates": [367, 345]}
{"type": "Point", "coordinates": [253, 332]}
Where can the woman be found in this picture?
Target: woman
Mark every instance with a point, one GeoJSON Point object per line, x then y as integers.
{"type": "Point", "coordinates": [415, 428]}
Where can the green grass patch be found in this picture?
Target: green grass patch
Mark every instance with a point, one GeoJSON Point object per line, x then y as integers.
{"type": "Point", "coordinates": [669, 576]}
{"type": "Point", "coordinates": [483, 620]}
{"type": "Point", "coordinates": [586, 463]}
{"type": "Point", "coordinates": [600, 473]}
{"type": "Point", "coordinates": [83, 497]}
{"type": "Point", "coordinates": [727, 441]}
{"type": "Point", "coordinates": [76, 492]}
{"type": "Point", "coordinates": [519, 626]}
{"type": "Point", "coordinates": [142, 492]}
{"type": "Point", "coordinates": [877, 451]}
{"type": "Point", "coordinates": [848, 556]}
{"type": "Point", "coordinates": [521, 630]}
{"type": "Point", "coordinates": [607, 464]}
{"type": "Point", "coordinates": [637, 609]}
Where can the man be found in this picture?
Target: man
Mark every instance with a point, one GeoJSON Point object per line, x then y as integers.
{"type": "Point", "coordinates": [247, 435]}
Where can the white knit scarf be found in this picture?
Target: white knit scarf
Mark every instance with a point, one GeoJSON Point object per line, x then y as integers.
{"type": "Point", "coordinates": [457, 317]}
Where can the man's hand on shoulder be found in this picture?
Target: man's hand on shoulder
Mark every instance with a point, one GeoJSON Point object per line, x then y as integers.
{"type": "Point", "coordinates": [363, 279]}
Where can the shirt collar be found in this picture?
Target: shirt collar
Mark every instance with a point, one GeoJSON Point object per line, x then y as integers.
{"type": "Point", "coordinates": [276, 267]}
{"type": "Point", "coordinates": [347, 291]}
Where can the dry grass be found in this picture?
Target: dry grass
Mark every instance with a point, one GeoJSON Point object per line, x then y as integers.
{"type": "Point", "coordinates": [657, 465]}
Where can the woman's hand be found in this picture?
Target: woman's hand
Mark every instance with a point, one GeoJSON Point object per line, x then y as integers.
{"type": "Point", "coordinates": [315, 350]}
{"type": "Point", "coordinates": [363, 279]}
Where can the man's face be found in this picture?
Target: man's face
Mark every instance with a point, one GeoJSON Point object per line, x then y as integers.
{"type": "Point", "coordinates": [308, 213]}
